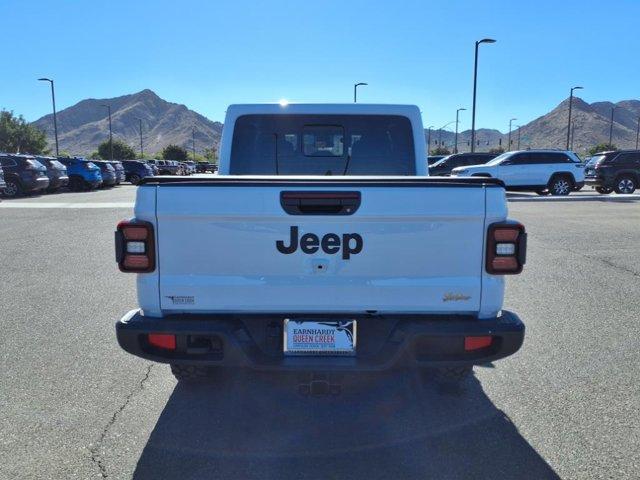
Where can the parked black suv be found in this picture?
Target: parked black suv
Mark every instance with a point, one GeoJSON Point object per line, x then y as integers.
{"type": "Point", "coordinates": [23, 174]}
{"type": "Point", "coordinates": [56, 172]}
{"type": "Point", "coordinates": [448, 163]}
{"type": "Point", "coordinates": [609, 171]}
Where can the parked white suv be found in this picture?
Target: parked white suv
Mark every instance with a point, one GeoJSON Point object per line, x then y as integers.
{"type": "Point", "coordinates": [557, 172]}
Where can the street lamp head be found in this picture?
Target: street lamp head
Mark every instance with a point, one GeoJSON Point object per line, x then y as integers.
{"type": "Point", "coordinates": [361, 83]}
{"type": "Point", "coordinates": [45, 80]}
{"type": "Point", "coordinates": [486, 40]}
{"type": "Point", "coordinates": [461, 109]}
{"type": "Point", "coordinates": [577, 88]}
{"type": "Point", "coordinates": [512, 119]}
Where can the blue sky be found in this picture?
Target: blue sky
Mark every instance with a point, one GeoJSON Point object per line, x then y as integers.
{"type": "Point", "coordinates": [209, 54]}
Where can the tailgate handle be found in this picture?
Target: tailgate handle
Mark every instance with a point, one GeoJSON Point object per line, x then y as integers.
{"type": "Point", "coordinates": [320, 203]}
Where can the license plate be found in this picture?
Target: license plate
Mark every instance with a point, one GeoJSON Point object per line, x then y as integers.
{"type": "Point", "coordinates": [318, 337]}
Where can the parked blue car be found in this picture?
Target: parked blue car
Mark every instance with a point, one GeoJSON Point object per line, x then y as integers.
{"type": "Point", "coordinates": [121, 176]}
{"type": "Point", "coordinates": [83, 174]}
{"type": "Point", "coordinates": [108, 172]}
{"type": "Point", "coordinates": [136, 170]}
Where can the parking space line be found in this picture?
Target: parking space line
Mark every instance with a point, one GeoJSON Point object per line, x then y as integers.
{"type": "Point", "coordinates": [71, 205]}
{"type": "Point", "coordinates": [577, 198]}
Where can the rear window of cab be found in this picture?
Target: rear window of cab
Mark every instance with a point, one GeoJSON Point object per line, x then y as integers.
{"type": "Point", "coordinates": [322, 145]}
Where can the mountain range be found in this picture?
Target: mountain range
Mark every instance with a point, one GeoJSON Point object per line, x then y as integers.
{"type": "Point", "coordinates": [591, 124]}
{"type": "Point", "coordinates": [83, 126]}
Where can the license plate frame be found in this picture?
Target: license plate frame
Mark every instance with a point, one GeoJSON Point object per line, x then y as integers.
{"type": "Point", "coordinates": [312, 337]}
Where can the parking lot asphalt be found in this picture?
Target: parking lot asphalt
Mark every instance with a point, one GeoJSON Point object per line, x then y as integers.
{"type": "Point", "coordinates": [73, 405]}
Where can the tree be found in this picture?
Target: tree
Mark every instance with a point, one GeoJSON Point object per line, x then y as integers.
{"type": "Point", "coordinates": [121, 151]}
{"type": "Point", "coordinates": [18, 136]}
{"type": "Point", "coordinates": [95, 156]}
{"type": "Point", "coordinates": [440, 151]}
{"type": "Point", "coordinates": [210, 154]}
{"type": "Point", "coordinates": [602, 147]}
{"type": "Point", "coordinates": [175, 152]}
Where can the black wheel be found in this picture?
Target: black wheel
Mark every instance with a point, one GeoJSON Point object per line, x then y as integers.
{"type": "Point", "coordinates": [452, 374]}
{"type": "Point", "coordinates": [12, 189]}
{"type": "Point", "coordinates": [76, 184]}
{"type": "Point", "coordinates": [604, 190]}
{"type": "Point", "coordinates": [560, 186]}
{"type": "Point", "coordinates": [626, 184]}
{"type": "Point", "coordinates": [190, 373]}
{"type": "Point", "coordinates": [542, 192]}
{"type": "Point", "coordinates": [134, 179]}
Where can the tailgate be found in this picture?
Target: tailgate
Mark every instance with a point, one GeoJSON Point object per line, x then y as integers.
{"type": "Point", "coordinates": [408, 247]}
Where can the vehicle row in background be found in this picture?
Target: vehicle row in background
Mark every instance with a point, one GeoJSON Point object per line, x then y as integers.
{"type": "Point", "coordinates": [31, 174]}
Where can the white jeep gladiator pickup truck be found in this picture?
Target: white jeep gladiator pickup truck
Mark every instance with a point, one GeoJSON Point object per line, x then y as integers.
{"type": "Point", "coordinates": [321, 245]}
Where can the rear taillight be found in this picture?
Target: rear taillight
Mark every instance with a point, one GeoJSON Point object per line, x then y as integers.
{"type": "Point", "coordinates": [506, 248]}
{"type": "Point", "coordinates": [135, 247]}
{"type": "Point", "coordinates": [476, 343]}
{"type": "Point", "coordinates": [166, 341]}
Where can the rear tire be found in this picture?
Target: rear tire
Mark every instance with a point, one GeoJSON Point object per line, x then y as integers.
{"type": "Point", "coordinates": [560, 185]}
{"type": "Point", "coordinates": [190, 373]}
{"type": "Point", "coordinates": [76, 184]}
{"type": "Point", "coordinates": [452, 374]}
{"type": "Point", "coordinates": [604, 190]}
{"type": "Point", "coordinates": [12, 189]}
{"type": "Point", "coordinates": [134, 179]}
{"type": "Point", "coordinates": [626, 184]}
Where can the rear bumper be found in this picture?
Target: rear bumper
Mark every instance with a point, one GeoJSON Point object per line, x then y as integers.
{"type": "Point", "coordinates": [594, 181]}
{"type": "Point", "coordinates": [108, 181]}
{"type": "Point", "coordinates": [255, 341]}
{"type": "Point", "coordinates": [35, 184]}
{"type": "Point", "coordinates": [58, 182]}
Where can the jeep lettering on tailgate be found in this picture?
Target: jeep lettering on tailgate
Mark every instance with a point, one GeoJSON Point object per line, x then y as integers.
{"type": "Point", "coordinates": [351, 243]}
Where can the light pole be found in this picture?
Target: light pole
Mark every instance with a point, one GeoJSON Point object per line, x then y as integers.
{"type": "Point", "coordinates": [55, 120]}
{"type": "Point", "coordinates": [573, 132]}
{"type": "Point", "coordinates": [637, 133]}
{"type": "Point", "coordinates": [355, 91]}
{"type": "Point", "coordinates": [108, 107]}
{"type": "Point", "coordinates": [440, 132]}
{"type": "Point", "coordinates": [475, 83]}
{"type": "Point", "coordinates": [569, 119]}
{"type": "Point", "coordinates": [455, 147]}
{"type": "Point", "coordinates": [613, 109]}
{"type": "Point", "coordinates": [141, 150]}
{"type": "Point", "coordinates": [429, 138]}
{"type": "Point", "coordinates": [509, 145]}
{"type": "Point", "coordinates": [519, 128]}
{"type": "Point", "coordinates": [193, 142]}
